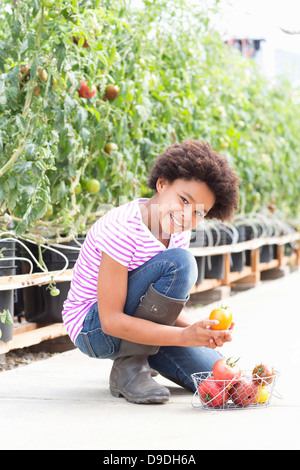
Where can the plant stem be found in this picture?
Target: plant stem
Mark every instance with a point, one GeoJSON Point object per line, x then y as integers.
{"type": "Point", "coordinates": [13, 159]}
{"type": "Point", "coordinates": [40, 26]}
{"type": "Point", "coordinates": [41, 260]}
{"type": "Point", "coordinates": [28, 101]}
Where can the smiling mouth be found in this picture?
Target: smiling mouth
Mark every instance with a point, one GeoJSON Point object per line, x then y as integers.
{"type": "Point", "coordinates": [178, 224]}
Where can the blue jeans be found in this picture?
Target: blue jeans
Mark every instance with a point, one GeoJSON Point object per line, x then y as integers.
{"type": "Point", "coordinates": [173, 273]}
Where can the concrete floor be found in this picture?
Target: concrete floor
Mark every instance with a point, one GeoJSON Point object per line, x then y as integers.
{"type": "Point", "coordinates": [64, 402]}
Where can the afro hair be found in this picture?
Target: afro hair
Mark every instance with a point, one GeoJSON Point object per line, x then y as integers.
{"type": "Point", "coordinates": [196, 160]}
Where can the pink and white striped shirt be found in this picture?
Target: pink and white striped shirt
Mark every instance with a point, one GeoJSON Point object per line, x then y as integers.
{"type": "Point", "coordinates": [121, 234]}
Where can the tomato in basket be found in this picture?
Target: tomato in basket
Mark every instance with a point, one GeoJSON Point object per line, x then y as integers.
{"type": "Point", "coordinates": [212, 393]}
{"type": "Point", "coordinates": [225, 370]}
{"type": "Point", "coordinates": [263, 374]}
{"type": "Point", "coordinates": [244, 392]}
{"type": "Point", "coordinates": [263, 395]}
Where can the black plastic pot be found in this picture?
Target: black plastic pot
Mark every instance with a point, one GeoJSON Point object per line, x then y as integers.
{"type": "Point", "coordinates": [196, 241]}
{"type": "Point", "coordinates": [266, 253]}
{"type": "Point", "coordinates": [288, 250]}
{"type": "Point", "coordinates": [249, 235]}
{"type": "Point", "coordinates": [238, 260]}
{"type": "Point", "coordinates": [39, 305]}
{"type": "Point", "coordinates": [7, 268]}
{"type": "Point", "coordinates": [200, 260]}
{"type": "Point", "coordinates": [215, 265]}
{"type": "Point", "coordinates": [197, 238]}
{"type": "Point", "coordinates": [215, 268]}
{"type": "Point", "coordinates": [18, 294]}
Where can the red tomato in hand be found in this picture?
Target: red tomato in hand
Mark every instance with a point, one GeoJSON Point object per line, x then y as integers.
{"type": "Point", "coordinates": [263, 374]}
{"type": "Point", "coordinates": [84, 90]}
{"type": "Point", "coordinates": [223, 316]}
{"type": "Point", "coordinates": [244, 392]}
{"type": "Point", "coordinates": [226, 372]}
{"type": "Point", "coordinates": [212, 393]}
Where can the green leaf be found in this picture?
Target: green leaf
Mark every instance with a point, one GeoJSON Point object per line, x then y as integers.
{"type": "Point", "coordinates": [60, 54]}
{"type": "Point", "coordinates": [29, 150]}
{"type": "Point", "coordinates": [6, 318]}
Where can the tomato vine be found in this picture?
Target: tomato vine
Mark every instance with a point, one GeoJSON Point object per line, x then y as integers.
{"type": "Point", "coordinates": [158, 75]}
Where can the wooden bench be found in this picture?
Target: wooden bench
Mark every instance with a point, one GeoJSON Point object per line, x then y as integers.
{"type": "Point", "coordinates": [27, 334]}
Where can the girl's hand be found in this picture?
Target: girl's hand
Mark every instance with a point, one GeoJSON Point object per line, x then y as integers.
{"type": "Point", "coordinates": [200, 334]}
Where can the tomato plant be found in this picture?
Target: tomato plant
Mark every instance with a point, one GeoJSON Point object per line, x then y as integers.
{"type": "Point", "coordinates": [212, 393]}
{"type": "Point", "coordinates": [41, 166]}
{"type": "Point", "coordinates": [224, 370]}
{"type": "Point", "coordinates": [223, 316]}
{"type": "Point", "coordinates": [160, 77]}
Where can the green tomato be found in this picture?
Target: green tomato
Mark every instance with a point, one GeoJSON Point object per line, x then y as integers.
{"type": "Point", "coordinates": [54, 291]}
{"type": "Point", "coordinates": [256, 197]}
{"type": "Point", "coordinates": [92, 186]}
{"type": "Point", "coordinates": [78, 188]}
{"type": "Point", "coordinates": [49, 210]}
{"type": "Point", "coordinates": [48, 3]}
{"type": "Point", "coordinates": [53, 14]}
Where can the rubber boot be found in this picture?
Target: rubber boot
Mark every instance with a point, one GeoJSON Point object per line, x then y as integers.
{"type": "Point", "coordinates": [131, 375]}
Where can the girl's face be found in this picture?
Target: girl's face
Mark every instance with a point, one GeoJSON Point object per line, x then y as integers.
{"type": "Point", "coordinates": [182, 204]}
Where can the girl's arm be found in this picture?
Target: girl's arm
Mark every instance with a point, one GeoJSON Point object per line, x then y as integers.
{"type": "Point", "coordinates": [112, 293]}
{"type": "Point", "coordinates": [183, 320]}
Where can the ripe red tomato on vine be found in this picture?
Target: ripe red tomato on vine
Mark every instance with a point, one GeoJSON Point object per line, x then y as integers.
{"type": "Point", "coordinates": [84, 91]}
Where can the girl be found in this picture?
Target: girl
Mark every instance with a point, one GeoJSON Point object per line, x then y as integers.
{"type": "Point", "coordinates": [134, 274]}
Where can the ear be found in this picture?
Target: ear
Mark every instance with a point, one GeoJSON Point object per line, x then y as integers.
{"type": "Point", "coordinates": [161, 183]}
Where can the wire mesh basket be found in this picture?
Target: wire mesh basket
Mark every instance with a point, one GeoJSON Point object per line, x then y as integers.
{"type": "Point", "coordinates": [239, 393]}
